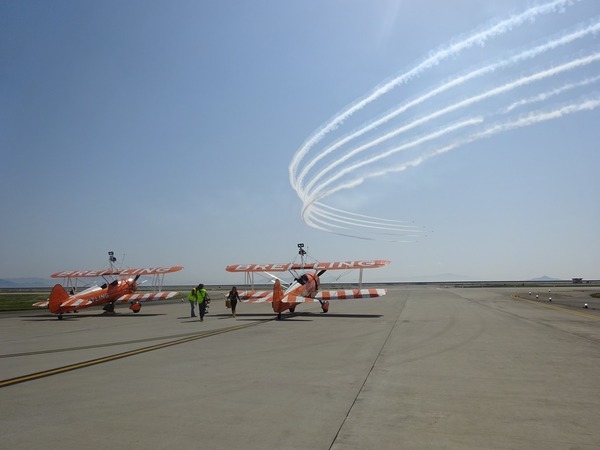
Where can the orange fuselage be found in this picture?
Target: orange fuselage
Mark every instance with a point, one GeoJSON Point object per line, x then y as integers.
{"type": "Point", "coordinates": [306, 285]}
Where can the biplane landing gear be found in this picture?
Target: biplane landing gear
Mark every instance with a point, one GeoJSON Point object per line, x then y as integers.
{"type": "Point", "coordinates": [109, 309]}
{"type": "Point", "coordinates": [278, 316]}
{"type": "Point", "coordinates": [292, 309]}
{"type": "Point", "coordinates": [60, 317]}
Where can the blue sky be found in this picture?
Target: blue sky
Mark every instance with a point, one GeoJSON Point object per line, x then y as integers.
{"type": "Point", "coordinates": [165, 131]}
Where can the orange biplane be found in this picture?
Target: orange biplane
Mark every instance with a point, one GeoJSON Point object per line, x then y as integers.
{"type": "Point", "coordinates": [305, 287]}
{"type": "Point", "coordinates": [120, 287]}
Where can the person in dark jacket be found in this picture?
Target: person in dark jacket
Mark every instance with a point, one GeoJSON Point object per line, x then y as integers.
{"type": "Point", "coordinates": [233, 297]}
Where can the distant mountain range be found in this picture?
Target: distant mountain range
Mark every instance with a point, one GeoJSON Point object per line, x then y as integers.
{"type": "Point", "coordinates": [8, 283]}
{"type": "Point", "coordinates": [452, 277]}
{"type": "Point", "coordinates": [440, 277]}
{"type": "Point", "coordinates": [545, 278]}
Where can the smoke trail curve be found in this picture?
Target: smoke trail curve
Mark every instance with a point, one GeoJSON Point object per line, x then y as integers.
{"type": "Point", "coordinates": [480, 114]}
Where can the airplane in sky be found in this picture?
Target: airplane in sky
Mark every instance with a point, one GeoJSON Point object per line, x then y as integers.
{"type": "Point", "coordinates": [120, 286]}
{"type": "Point", "coordinates": [305, 287]}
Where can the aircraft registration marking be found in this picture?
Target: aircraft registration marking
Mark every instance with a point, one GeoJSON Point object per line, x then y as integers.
{"type": "Point", "coordinates": [122, 272]}
{"type": "Point", "coordinates": [335, 265]}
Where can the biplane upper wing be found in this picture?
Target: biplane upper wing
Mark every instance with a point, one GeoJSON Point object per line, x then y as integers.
{"type": "Point", "coordinates": [341, 294]}
{"type": "Point", "coordinates": [122, 272]}
{"type": "Point", "coordinates": [335, 265]}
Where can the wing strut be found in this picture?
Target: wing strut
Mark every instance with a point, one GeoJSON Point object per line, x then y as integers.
{"type": "Point", "coordinates": [249, 279]}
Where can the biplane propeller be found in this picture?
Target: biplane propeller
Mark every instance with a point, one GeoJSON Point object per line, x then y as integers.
{"type": "Point", "coordinates": [120, 286]}
{"type": "Point", "coordinates": [305, 286]}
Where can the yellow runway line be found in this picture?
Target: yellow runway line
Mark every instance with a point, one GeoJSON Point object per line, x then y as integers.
{"type": "Point", "coordinates": [92, 362]}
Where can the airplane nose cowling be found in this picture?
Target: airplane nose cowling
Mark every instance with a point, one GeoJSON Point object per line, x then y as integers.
{"type": "Point", "coordinates": [133, 284]}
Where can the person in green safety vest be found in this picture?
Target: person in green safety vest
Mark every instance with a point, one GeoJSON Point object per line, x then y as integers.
{"type": "Point", "coordinates": [198, 295]}
{"type": "Point", "coordinates": [193, 299]}
{"type": "Point", "coordinates": [202, 299]}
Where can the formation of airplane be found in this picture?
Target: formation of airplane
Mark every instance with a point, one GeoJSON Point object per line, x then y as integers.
{"type": "Point", "coordinates": [305, 287]}
{"type": "Point", "coordinates": [120, 286]}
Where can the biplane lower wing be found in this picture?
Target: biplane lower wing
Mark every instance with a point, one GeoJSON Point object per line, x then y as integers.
{"type": "Point", "coordinates": [146, 297]}
{"type": "Point", "coordinates": [342, 294]}
{"type": "Point", "coordinates": [256, 296]}
{"type": "Point", "coordinates": [349, 294]}
{"type": "Point", "coordinates": [78, 302]}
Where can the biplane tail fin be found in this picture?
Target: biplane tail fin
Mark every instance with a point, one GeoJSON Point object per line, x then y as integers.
{"type": "Point", "coordinates": [57, 296]}
{"type": "Point", "coordinates": [277, 292]}
{"type": "Point", "coordinates": [278, 295]}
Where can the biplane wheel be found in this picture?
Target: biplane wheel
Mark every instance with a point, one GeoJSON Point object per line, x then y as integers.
{"type": "Point", "coordinates": [278, 316]}
{"type": "Point", "coordinates": [292, 309]}
{"type": "Point", "coordinates": [60, 317]}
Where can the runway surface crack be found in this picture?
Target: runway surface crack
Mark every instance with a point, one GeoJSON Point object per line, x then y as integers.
{"type": "Point", "coordinates": [387, 338]}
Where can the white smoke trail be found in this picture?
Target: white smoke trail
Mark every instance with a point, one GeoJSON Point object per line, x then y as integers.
{"type": "Point", "coordinates": [525, 121]}
{"type": "Point", "coordinates": [414, 143]}
{"type": "Point", "coordinates": [341, 220]}
{"type": "Point", "coordinates": [372, 223]}
{"type": "Point", "coordinates": [336, 220]}
{"type": "Point", "coordinates": [475, 125]}
{"type": "Point", "coordinates": [553, 93]}
{"type": "Point", "coordinates": [363, 216]}
{"type": "Point", "coordinates": [527, 54]}
{"type": "Point", "coordinates": [571, 65]}
{"type": "Point", "coordinates": [478, 38]}
{"type": "Point", "coordinates": [326, 225]}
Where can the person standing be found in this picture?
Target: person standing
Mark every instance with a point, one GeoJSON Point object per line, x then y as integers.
{"type": "Point", "coordinates": [193, 299]}
{"type": "Point", "coordinates": [233, 298]}
{"type": "Point", "coordinates": [202, 299]}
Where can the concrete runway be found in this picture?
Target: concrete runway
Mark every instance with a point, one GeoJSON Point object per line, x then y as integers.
{"type": "Point", "coordinates": [424, 367]}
